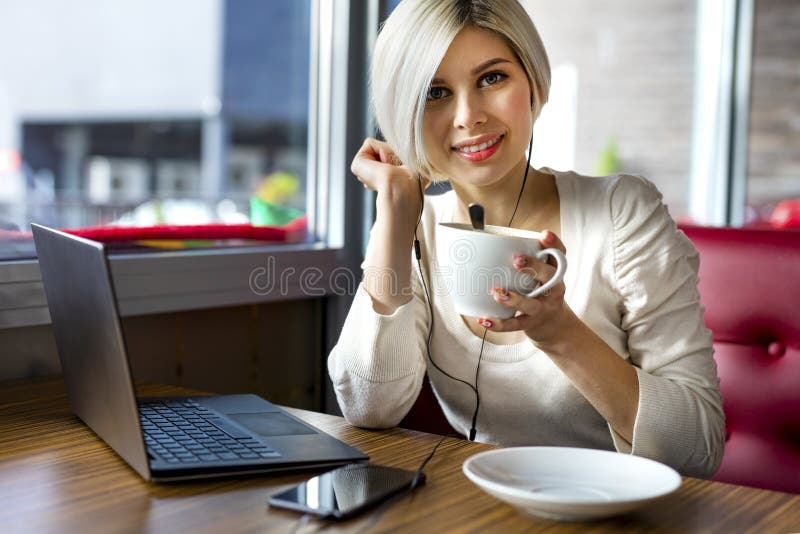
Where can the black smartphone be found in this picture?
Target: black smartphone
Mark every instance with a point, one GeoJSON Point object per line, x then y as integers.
{"type": "Point", "coordinates": [346, 491]}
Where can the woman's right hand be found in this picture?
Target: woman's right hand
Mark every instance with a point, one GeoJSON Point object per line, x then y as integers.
{"type": "Point", "coordinates": [378, 168]}
{"type": "Point", "coordinates": [397, 209]}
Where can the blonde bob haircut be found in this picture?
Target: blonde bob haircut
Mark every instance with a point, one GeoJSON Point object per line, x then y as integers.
{"type": "Point", "coordinates": [410, 47]}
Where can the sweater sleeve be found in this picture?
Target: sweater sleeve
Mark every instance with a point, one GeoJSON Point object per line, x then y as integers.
{"type": "Point", "coordinates": [680, 420]}
{"type": "Point", "coordinates": [378, 364]}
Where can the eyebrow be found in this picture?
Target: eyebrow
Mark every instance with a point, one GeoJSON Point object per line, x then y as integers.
{"type": "Point", "coordinates": [483, 66]}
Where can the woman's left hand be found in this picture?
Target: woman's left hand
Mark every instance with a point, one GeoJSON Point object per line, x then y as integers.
{"type": "Point", "coordinates": [543, 318]}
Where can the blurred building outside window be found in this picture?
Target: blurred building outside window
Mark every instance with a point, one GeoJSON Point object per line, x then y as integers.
{"type": "Point", "coordinates": [142, 113]}
{"type": "Point", "coordinates": [773, 172]}
{"type": "Point", "coordinates": [622, 90]}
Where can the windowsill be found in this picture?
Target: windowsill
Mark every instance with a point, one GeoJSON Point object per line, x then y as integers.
{"type": "Point", "coordinates": [158, 282]}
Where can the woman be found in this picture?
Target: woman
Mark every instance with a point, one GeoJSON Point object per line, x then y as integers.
{"type": "Point", "coordinates": [615, 357]}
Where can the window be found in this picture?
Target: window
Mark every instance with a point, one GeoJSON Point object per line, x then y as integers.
{"type": "Point", "coordinates": [773, 174]}
{"type": "Point", "coordinates": [142, 113]}
{"type": "Point", "coordinates": [622, 90]}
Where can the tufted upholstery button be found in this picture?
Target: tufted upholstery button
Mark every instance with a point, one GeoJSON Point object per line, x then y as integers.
{"type": "Point", "coordinates": [776, 349]}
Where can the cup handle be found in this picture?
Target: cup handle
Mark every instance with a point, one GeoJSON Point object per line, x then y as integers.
{"type": "Point", "coordinates": [561, 268]}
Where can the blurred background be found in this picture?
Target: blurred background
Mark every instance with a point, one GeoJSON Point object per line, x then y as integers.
{"type": "Point", "coordinates": [141, 113]}
{"type": "Point", "coordinates": [147, 112]}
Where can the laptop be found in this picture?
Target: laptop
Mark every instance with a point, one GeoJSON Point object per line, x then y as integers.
{"type": "Point", "coordinates": [162, 439]}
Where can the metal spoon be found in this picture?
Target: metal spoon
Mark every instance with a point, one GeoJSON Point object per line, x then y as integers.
{"type": "Point", "coordinates": [476, 216]}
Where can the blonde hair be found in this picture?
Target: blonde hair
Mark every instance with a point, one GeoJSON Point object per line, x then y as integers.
{"type": "Point", "coordinates": [410, 47]}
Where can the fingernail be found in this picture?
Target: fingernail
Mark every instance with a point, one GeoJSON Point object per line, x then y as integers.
{"type": "Point", "coordinates": [520, 260]}
{"type": "Point", "coordinates": [500, 294]}
{"type": "Point", "coordinates": [486, 323]}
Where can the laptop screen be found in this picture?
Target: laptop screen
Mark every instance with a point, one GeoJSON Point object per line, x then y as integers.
{"type": "Point", "coordinates": [90, 341]}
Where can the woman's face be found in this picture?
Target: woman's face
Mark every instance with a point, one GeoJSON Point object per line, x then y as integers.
{"type": "Point", "coordinates": [478, 117]}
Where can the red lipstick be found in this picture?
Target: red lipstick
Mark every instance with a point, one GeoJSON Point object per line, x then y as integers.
{"type": "Point", "coordinates": [481, 155]}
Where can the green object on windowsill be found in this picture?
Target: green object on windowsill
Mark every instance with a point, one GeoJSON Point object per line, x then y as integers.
{"type": "Point", "coordinates": [608, 161]}
{"type": "Point", "coordinates": [264, 213]}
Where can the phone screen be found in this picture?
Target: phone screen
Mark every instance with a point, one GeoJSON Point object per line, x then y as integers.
{"type": "Point", "coordinates": [345, 491]}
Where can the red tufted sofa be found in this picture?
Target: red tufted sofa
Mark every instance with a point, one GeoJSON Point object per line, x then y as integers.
{"type": "Point", "coordinates": [750, 287]}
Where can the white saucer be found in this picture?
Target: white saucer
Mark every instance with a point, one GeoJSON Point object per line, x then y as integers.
{"type": "Point", "coordinates": [570, 484]}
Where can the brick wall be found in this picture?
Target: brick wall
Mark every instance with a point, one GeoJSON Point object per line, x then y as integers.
{"type": "Point", "coordinates": [774, 159]}
{"type": "Point", "coordinates": [635, 63]}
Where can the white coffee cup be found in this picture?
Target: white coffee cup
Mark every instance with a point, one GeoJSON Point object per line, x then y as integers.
{"type": "Point", "coordinates": [471, 262]}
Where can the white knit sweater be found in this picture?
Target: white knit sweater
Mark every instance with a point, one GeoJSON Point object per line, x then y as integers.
{"type": "Point", "coordinates": [632, 277]}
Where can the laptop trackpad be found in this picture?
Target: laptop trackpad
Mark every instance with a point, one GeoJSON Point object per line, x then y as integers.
{"type": "Point", "coordinates": [270, 424]}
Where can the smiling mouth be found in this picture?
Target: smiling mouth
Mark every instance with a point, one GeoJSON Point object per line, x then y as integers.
{"type": "Point", "coordinates": [471, 149]}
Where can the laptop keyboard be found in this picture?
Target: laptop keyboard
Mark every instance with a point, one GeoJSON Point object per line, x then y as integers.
{"type": "Point", "coordinates": [186, 432]}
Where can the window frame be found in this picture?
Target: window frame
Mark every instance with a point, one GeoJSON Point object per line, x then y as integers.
{"type": "Point", "coordinates": [721, 110]}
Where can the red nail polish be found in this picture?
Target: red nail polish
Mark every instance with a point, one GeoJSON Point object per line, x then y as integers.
{"type": "Point", "coordinates": [501, 294]}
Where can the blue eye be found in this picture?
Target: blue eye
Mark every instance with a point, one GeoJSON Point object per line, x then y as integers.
{"type": "Point", "coordinates": [437, 93]}
{"type": "Point", "coordinates": [491, 78]}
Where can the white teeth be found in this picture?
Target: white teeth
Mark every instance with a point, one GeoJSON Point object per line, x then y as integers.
{"type": "Point", "coordinates": [478, 148]}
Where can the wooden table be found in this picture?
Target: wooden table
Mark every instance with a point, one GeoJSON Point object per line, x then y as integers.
{"type": "Point", "coordinates": [56, 476]}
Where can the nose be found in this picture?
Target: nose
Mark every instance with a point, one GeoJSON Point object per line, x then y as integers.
{"type": "Point", "coordinates": [469, 111]}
